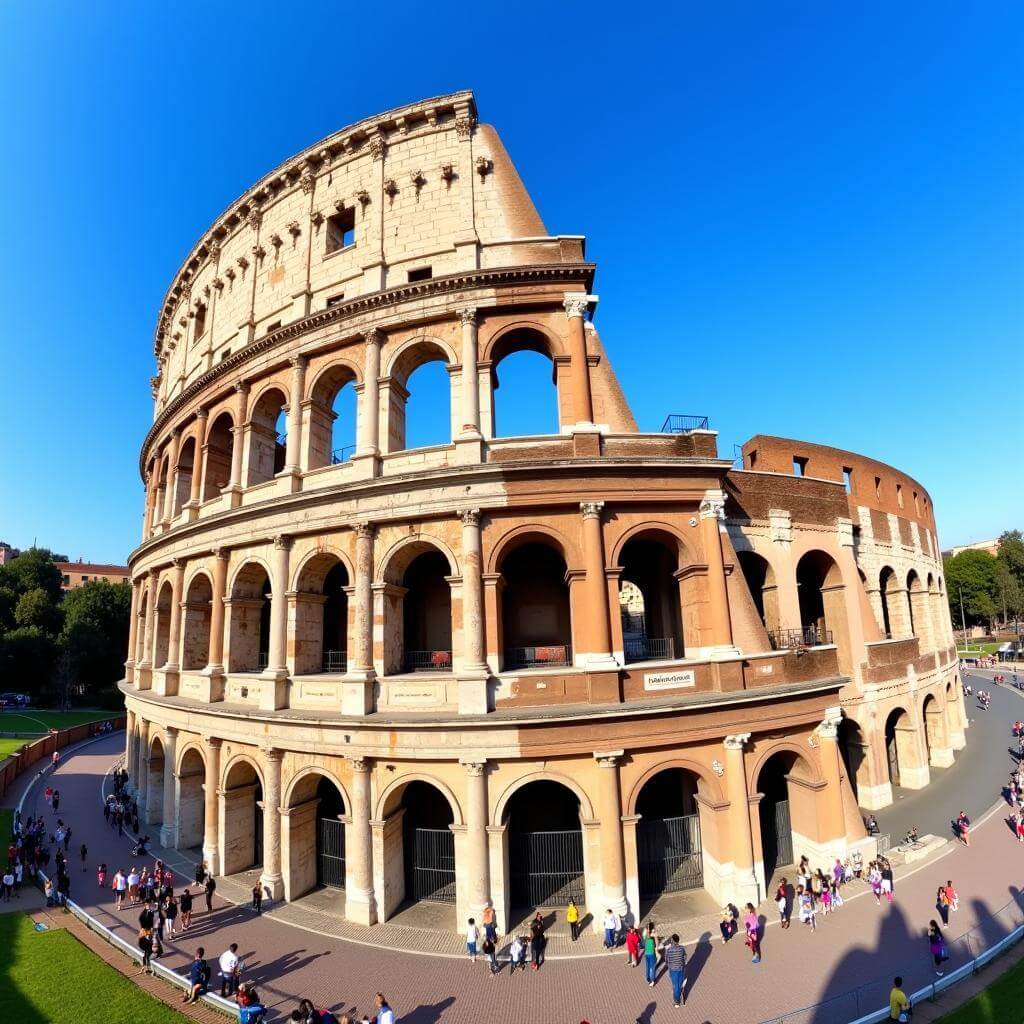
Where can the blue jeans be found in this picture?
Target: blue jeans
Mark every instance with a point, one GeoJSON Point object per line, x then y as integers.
{"type": "Point", "coordinates": [609, 937]}
{"type": "Point", "coordinates": [678, 980]}
{"type": "Point", "coordinates": [651, 965]}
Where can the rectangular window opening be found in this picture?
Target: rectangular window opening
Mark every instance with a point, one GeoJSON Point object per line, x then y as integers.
{"type": "Point", "coordinates": [335, 300]}
{"type": "Point", "coordinates": [752, 459]}
{"type": "Point", "coordinates": [275, 326]}
{"type": "Point", "coordinates": [225, 354]}
{"type": "Point", "coordinates": [878, 488]}
{"type": "Point", "coordinates": [799, 466]}
{"type": "Point", "coordinates": [200, 321]}
{"type": "Point", "coordinates": [421, 274]}
{"type": "Point", "coordinates": [341, 229]}
{"type": "Point", "coordinates": [848, 479]}
{"type": "Point", "coordinates": [899, 495]}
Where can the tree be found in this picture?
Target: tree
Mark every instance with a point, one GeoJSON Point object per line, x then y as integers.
{"type": "Point", "coordinates": [973, 575]}
{"type": "Point", "coordinates": [32, 570]}
{"type": "Point", "coordinates": [35, 608]}
{"type": "Point", "coordinates": [1011, 554]}
{"type": "Point", "coordinates": [95, 634]}
{"type": "Point", "coordinates": [27, 657]}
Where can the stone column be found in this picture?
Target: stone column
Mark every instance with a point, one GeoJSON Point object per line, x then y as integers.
{"type": "Point", "coordinates": [369, 418]}
{"type": "Point", "coordinates": [474, 672]}
{"type": "Point", "coordinates": [149, 628]}
{"type": "Point", "coordinates": [215, 659]}
{"type": "Point", "coordinates": [129, 746]}
{"type": "Point", "coordinates": [167, 827]}
{"type": "Point", "coordinates": [360, 904]}
{"type": "Point", "coordinates": [712, 512]}
{"type": "Point", "coordinates": [745, 887]}
{"type": "Point", "coordinates": [478, 867]}
{"type": "Point", "coordinates": [828, 735]}
{"type": "Point", "coordinates": [357, 688]}
{"type": "Point", "coordinates": [174, 632]}
{"type": "Point", "coordinates": [211, 803]}
{"type": "Point", "coordinates": [198, 465]}
{"type": "Point", "coordinates": [293, 444]}
{"type": "Point", "coordinates": [576, 305]}
{"type": "Point", "coordinates": [599, 655]}
{"type": "Point", "coordinates": [171, 488]}
{"type": "Point", "coordinates": [271, 879]}
{"type": "Point", "coordinates": [276, 673]}
{"type": "Point", "coordinates": [142, 761]}
{"type": "Point", "coordinates": [470, 374]}
{"type": "Point", "coordinates": [237, 441]}
{"type": "Point", "coordinates": [133, 630]}
{"type": "Point", "coordinates": [613, 855]}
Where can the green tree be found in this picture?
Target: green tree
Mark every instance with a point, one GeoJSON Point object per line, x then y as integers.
{"type": "Point", "coordinates": [27, 657]}
{"type": "Point", "coordinates": [36, 608]}
{"type": "Point", "coordinates": [32, 570]}
{"type": "Point", "coordinates": [1011, 554]}
{"type": "Point", "coordinates": [974, 575]}
{"type": "Point", "coordinates": [95, 634]}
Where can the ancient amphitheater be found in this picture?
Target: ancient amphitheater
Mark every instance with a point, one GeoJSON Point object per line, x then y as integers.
{"type": "Point", "coordinates": [596, 663]}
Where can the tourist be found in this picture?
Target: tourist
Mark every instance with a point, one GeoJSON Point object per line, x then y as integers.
{"type": "Point", "coordinates": [611, 929]}
{"type": "Point", "coordinates": [49, 891]}
{"type": "Point", "coordinates": [211, 888]}
{"type": "Point", "coordinates": [200, 875]}
{"type": "Point", "coordinates": [54, 761]}
{"type": "Point", "coordinates": [472, 936]}
{"type": "Point", "coordinates": [490, 951]}
{"type": "Point", "coordinates": [572, 916]}
{"type": "Point", "coordinates": [858, 864]}
{"type": "Point", "coordinates": [171, 911]}
{"type": "Point", "coordinates": [650, 947]}
{"type": "Point", "coordinates": [963, 828]}
{"type": "Point", "coordinates": [101, 876]}
{"type": "Point", "coordinates": [18, 874]}
{"type": "Point", "coordinates": [782, 902]}
{"type": "Point", "coordinates": [826, 900]}
{"type": "Point", "coordinates": [257, 898]}
{"type": "Point", "coordinates": [133, 886]}
{"type": "Point", "coordinates": [836, 896]}
{"type": "Point", "coordinates": [198, 977]}
{"type": "Point", "coordinates": [517, 955]}
{"type": "Point", "coordinates": [185, 908]}
{"type": "Point", "coordinates": [942, 904]}
{"type": "Point", "coordinates": [106, 811]}
{"type": "Point", "coordinates": [385, 1015]}
{"type": "Point", "coordinates": [55, 801]}
{"type": "Point", "coordinates": [83, 852]}
{"type": "Point", "coordinates": [805, 901]}
{"type": "Point", "coordinates": [538, 942]}
{"type": "Point", "coordinates": [728, 926]}
{"type": "Point", "coordinates": [8, 884]}
{"type": "Point", "coordinates": [937, 946]}
{"type": "Point", "coordinates": [875, 881]}
{"type": "Point", "coordinates": [230, 969]}
{"type": "Point", "coordinates": [120, 885]}
{"type": "Point", "coordinates": [888, 881]}
{"type": "Point", "coordinates": [146, 946]}
{"type": "Point", "coordinates": [675, 960]}
{"type": "Point", "coordinates": [899, 1004]}
{"type": "Point", "coordinates": [752, 928]}
{"type": "Point", "coordinates": [490, 921]}
{"type": "Point", "coordinates": [952, 897]}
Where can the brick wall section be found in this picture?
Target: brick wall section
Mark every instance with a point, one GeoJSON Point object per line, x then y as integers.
{"type": "Point", "coordinates": [818, 502]}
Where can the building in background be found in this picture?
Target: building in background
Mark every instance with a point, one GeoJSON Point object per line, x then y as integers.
{"type": "Point", "coordinates": [77, 574]}
{"type": "Point", "coordinates": [598, 663]}
{"type": "Point", "coordinates": [991, 546]}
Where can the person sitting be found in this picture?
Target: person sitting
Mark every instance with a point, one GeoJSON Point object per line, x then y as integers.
{"type": "Point", "coordinates": [911, 837]}
{"type": "Point", "coordinates": [198, 977]}
{"type": "Point", "coordinates": [871, 824]}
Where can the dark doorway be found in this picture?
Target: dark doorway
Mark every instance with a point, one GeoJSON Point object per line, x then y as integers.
{"type": "Point", "coordinates": [536, 628]}
{"type": "Point", "coordinates": [330, 836]}
{"type": "Point", "coordinates": [853, 750]}
{"type": "Point", "coordinates": [428, 844]}
{"type": "Point", "coordinates": [892, 752]}
{"type": "Point", "coordinates": [776, 829]}
{"type": "Point", "coordinates": [669, 856]}
{"type": "Point", "coordinates": [427, 614]}
{"type": "Point", "coordinates": [335, 631]}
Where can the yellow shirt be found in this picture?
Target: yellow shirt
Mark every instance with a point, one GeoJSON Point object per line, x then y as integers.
{"type": "Point", "coordinates": [572, 915]}
{"type": "Point", "coordinates": [898, 1002]}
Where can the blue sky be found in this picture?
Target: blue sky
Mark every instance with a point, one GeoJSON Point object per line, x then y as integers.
{"type": "Point", "coordinates": [808, 219]}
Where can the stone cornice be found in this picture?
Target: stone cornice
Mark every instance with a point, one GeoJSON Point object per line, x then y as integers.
{"type": "Point", "coordinates": [457, 107]}
{"type": "Point", "coordinates": [451, 283]}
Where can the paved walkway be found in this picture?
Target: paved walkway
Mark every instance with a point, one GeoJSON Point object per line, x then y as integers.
{"type": "Point", "coordinates": [861, 944]}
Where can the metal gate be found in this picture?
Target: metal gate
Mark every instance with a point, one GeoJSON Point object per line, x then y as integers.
{"type": "Point", "coordinates": [430, 864]}
{"type": "Point", "coordinates": [783, 834]}
{"type": "Point", "coordinates": [669, 855]}
{"type": "Point", "coordinates": [257, 836]}
{"type": "Point", "coordinates": [894, 759]}
{"type": "Point", "coordinates": [330, 853]}
{"type": "Point", "coordinates": [546, 868]}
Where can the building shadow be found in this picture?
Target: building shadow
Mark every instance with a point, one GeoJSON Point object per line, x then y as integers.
{"type": "Point", "coordinates": [428, 1013]}
{"type": "Point", "coordinates": [697, 961]}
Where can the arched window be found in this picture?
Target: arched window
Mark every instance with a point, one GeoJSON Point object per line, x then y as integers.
{"type": "Point", "coordinates": [524, 385]}
{"type": "Point", "coordinates": [267, 440]}
{"type": "Point", "coordinates": [760, 578]}
{"type": "Point", "coordinates": [427, 614]}
{"type": "Point", "coordinates": [321, 616]}
{"type": "Point", "coordinates": [419, 403]}
{"type": "Point", "coordinates": [535, 617]}
{"type": "Point", "coordinates": [669, 852]}
{"type": "Point", "coordinates": [196, 631]}
{"type": "Point", "coordinates": [331, 437]}
{"type": "Point", "coordinates": [242, 819]}
{"type": "Point", "coordinates": [191, 776]}
{"type": "Point", "coordinates": [162, 653]}
{"type": "Point", "coordinates": [219, 443]}
{"type": "Point", "coordinates": [819, 613]}
{"type": "Point", "coordinates": [155, 784]}
{"type": "Point", "coordinates": [652, 628]}
{"type": "Point", "coordinates": [186, 467]}
{"type": "Point", "coordinates": [249, 610]}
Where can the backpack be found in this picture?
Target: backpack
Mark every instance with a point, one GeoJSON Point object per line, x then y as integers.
{"type": "Point", "coordinates": [205, 973]}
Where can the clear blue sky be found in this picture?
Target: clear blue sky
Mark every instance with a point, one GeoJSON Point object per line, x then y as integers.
{"type": "Point", "coordinates": [808, 218]}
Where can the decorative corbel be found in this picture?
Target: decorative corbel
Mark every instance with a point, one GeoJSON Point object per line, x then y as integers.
{"type": "Point", "coordinates": [363, 197]}
{"type": "Point", "coordinates": [230, 273]}
{"type": "Point", "coordinates": [294, 230]}
{"type": "Point", "coordinates": [243, 263]}
{"type": "Point", "coordinates": [316, 218]}
{"type": "Point", "coordinates": [447, 174]}
{"type": "Point", "coordinates": [276, 240]}
{"type": "Point", "coordinates": [483, 166]}
{"type": "Point", "coordinates": [418, 181]}
{"type": "Point", "coordinates": [259, 252]}
{"type": "Point", "coordinates": [218, 282]}
{"type": "Point", "coordinates": [391, 188]}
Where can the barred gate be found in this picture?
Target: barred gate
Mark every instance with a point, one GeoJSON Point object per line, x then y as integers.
{"type": "Point", "coordinates": [430, 864]}
{"type": "Point", "coordinates": [330, 853]}
{"type": "Point", "coordinates": [546, 868]}
{"type": "Point", "coordinates": [783, 834]}
{"type": "Point", "coordinates": [669, 855]}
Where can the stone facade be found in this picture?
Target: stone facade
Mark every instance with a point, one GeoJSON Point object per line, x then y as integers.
{"type": "Point", "coordinates": [407, 641]}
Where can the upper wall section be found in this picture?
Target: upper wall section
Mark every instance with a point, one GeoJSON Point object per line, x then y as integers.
{"type": "Point", "coordinates": [869, 484]}
{"type": "Point", "coordinates": [414, 194]}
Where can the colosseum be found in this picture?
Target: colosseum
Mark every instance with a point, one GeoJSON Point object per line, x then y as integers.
{"type": "Point", "coordinates": [597, 664]}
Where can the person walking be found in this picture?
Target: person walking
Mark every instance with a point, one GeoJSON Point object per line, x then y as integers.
{"type": "Point", "coordinates": [200, 875]}
{"type": "Point", "coordinates": [611, 930]}
{"type": "Point", "coordinates": [752, 927]}
{"type": "Point", "coordinates": [490, 922]}
{"type": "Point", "coordinates": [257, 898]}
{"type": "Point", "coordinates": [782, 902]}
{"type": "Point", "coordinates": [8, 884]}
{"type": "Point", "coordinates": [120, 884]}
{"type": "Point", "coordinates": [55, 801]}
{"type": "Point", "coordinates": [101, 876]}
{"type": "Point", "coordinates": [875, 881]}
{"type": "Point", "coordinates": [899, 1004]}
{"type": "Point", "coordinates": [472, 937]}
{"type": "Point", "coordinates": [538, 943]}
{"type": "Point", "coordinates": [805, 901]}
{"type": "Point", "coordinates": [83, 852]}
{"type": "Point", "coordinates": [888, 882]}
{"type": "Point", "coordinates": [942, 904]}
{"type": "Point", "coordinates": [385, 1015]}
{"type": "Point", "coordinates": [211, 888]}
{"type": "Point", "coordinates": [674, 956]}
{"type": "Point", "coordinates": [572, 916]}
{"type": "Point", "coordinates": [937, 946]}
{"type": "Point", "coordinates": [185, 908]}
{"type": "Point", "coordinates": [146, 947]}
{"type": "Point", "coordinates": [963, 827]}
{"type": "Point", "coordinates": [171, 913]}
{"type": "Point", "coordinates": [952, 897]}
{"type": "Point", "coordinates": [230, 968]}
{"type": "Point", "coordinates": [650, 946]}
{"type": "Point", "coordinates": [517, 955]}
{"type": "Point", "coordinates": [632, 945]}
{"type": "Point", "coordinates": [491, 952]}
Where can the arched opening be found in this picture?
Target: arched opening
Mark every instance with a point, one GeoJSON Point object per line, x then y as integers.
{"type": "Point", "coordinates": [161, 491]}
{"type": "Point", "coordinates": [191, 774]}
{"type": "Point", "coordinates": [196, 632]}
{"type": "Point", "coordinates": [780, 804]}
{"type": "Point", "coordinates": [535, 617]}
{"type": "Point", "coordinates": [919, 611]}
{"type": "Point", "coordinates": [249, 630]}
{"type": "Point", "coordinates": [760, 577]}
{"type": "Point", "coordinates": [241, 819]}
{"type": "Point", "coordinates": [321, 616]}
{"type": "Point", "coordinates": [889, 593]}
{"type": "Point", "coordinates": [162, 638]}
{"type": "Point", "coordinates": [331, 433]}
{"type": "Point", "coordinates": [419, 408]}
{"type": "Point", "coordinates": [315, 836]}
{"type": "Point", "coordinates": [545, 845]}
{"type": "Point", "coordinates": [937, 749]}
{"type": "Point", "coordinates": [140, 628]}
{"type": "Point", "coordinates": [524, 385]}
{"type": "Point", "coordinates": [897, 743]}
{"type": "Point", "coordinates": [155, 784]}
{"type": "Point", "coordinates": [428, 843]}
{"type": "Point", "coordinates": [186, 467]}
{"type": "Point", "coordinates": [218, 451]}
{"type": "Point", "coordinates": [267, 437]}
{"type": "Point", "coordinates": [854, 752]}
{"type": "Point", "coordinates": [668, 842]}
{"type": "Point", "coordinates": [427, 614]}
{"type": "Point", "coordinates": [820, 594]}
{"type": "Point", "coordinates": [652, 626]}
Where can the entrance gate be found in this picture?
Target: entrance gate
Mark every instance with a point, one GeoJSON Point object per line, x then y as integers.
{"type": "Point", "coordinates": [894, 758]}
{"type": "Point", "coordinates": [430, 864]}
{"type": "Point", "coordinates": [669, 855]}
{"type": "Point", "coordinates": [546, 868]}
{"type": "Point", "coordinates": [257, 838]}
{"type": "Point", "coordinates": [330, 848]}
{"type": "Point", "coordinates": [776, 836]}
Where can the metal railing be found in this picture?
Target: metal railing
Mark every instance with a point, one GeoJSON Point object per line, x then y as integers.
{"type": "Point", "coordinates": [649, 648]}
{"type": "Point", "coordinates": [541, 656]}
{"type": "Point", "coordinates": [334, 661]}
{"type": "Point", "coordinates": [262, 660]}
{"type": "Point", "coordinates": [808, 636]}
{"type": "Point", "coordinates": [340, 455]}
{"type": "Point", "coordinates": [675, 423]}
{"type": "Point", "coordinates": [428, 661]}
{"type": "Point", "coordinates": [968, 953]}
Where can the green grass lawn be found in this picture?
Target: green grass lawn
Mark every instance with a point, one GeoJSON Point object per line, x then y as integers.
{"type": "Point", "coordinates": [999, 1003]}
{"type": "Point", "coordinates": [985, 649]}
{"type": "Point", "coordinates": [8, 747]}
{"type": "Point", "coordinates": [51, 976]}
{"type": "Point", "coordinates": [33, 723]}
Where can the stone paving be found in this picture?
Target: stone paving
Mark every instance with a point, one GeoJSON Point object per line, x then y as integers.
{"type": "Point", "coordinates": [341, 966]}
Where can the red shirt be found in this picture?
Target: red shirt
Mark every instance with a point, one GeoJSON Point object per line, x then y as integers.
{"type": "Point", "coordinates": [633, 942]}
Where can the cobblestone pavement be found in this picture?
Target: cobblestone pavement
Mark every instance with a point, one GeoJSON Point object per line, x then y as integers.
{"type": "Point", "coordinates": [862, 943]}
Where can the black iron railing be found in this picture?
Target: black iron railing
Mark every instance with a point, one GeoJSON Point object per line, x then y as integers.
{"type": "Point", "coordinates": [340, 455]}
{"type": "Point", "coordinates": [428, 661]}
{"type": "Point", "coordinates": [334, 661]}
{"type": "Point", "coordinates": [676, 423]}
{"type": "Point", "coordinates": [808, 636]}
{"type": "Point", "coordinates": [649, 648]}
{"type": "Point", "coordinates": [262, 660]}
{"type": "Point", "coordinates": [540, 656]}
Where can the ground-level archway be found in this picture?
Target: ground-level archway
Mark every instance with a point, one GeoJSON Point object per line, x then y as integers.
{"type": "Point", "coordinates": [313, 836]}
{"type": "Point", "coordinates": [854, 751]}
{"type": "Point", "coordinates": [653, 627]}
{"type": "Point", "coordinates": [155, 784]}
{"type": "Point", "coordinates": [899, 754]}
{"type": "Point", "coordinates": [668, 835]}
{"type": "Point", "coordinates": [241, 818]}
{"type": "Point", "coordinates": [190, 802]}
{"type": "Point", "coordinates": [545, 846]}
{"type": "Point", "coordinates": [786, 809]}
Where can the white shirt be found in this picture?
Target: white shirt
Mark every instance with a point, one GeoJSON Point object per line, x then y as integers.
{"type": "Point", "coordinates": [471, 933]}
{"type": "Point", "coordinates": [612, 921]}
{"type": "Point", "coordinates": [228, 961]}
{"type": "Point", "coordinates": [386, 1015]}
{"type": "Point", "coordinates": [8, 879]}
{"type": "Point", "coordinates": [516, 951]}
{"type": "Point", "coordinates": [133, 879]}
